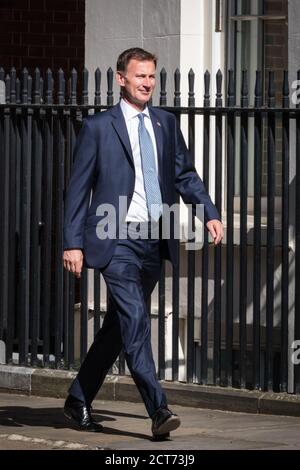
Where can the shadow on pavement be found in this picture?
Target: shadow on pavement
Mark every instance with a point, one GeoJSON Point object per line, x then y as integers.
{"type": "Point", "coordinates": [20, 416]}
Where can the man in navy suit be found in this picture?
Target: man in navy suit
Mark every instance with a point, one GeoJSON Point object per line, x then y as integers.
{"type": "Point", "coordinates": [138, 153]}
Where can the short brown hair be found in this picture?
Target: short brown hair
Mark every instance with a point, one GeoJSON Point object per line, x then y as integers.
{"type": "Point", "coordinates": [134, 53]}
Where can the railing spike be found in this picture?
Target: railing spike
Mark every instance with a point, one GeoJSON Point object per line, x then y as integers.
{"type": "Point", "coordinates": [49, 87]}
{"type": "Point", "coordinates": [244, 90]}
{"type": "Point", "coordinates": [110, 94]}
{"type": "Point", "coordinates": [73, 93]}
{"type": "Point", "coordinates": [29, 98]}
{"type": "Point", "coordinates": [85, 91]}
{"type": "Point", "coordinates": [206, 89]}
{"type": "Point", "coordinates": [37, 87]}
{"type": "Point", "coordinates": [191, 81]}
{"type": "Point", "coordinates": [177, 76]}
{"type": "Point", "coordinates": [18, 91]}
{"type": "Point", "coordinates": [97, 99]}
{"type": "Point", "coordinates": [163, 82]}
{"type": "Point", "coordinates": [13, 85]}
{"type": "Point", "coordinates": [24, 98]}
{"type": "Point", "coordinates": [285, 90]}
{"type": "Point", "coordinates": [61, 87]}
{"type": "Point", "coordinates": [219, 79]}
{"type": "Point", "coordinates": [42, 90]}
{"type": "Point", "coordinates": [231, 88]}
{"type": "Point", "coordinates": [258, 90]}
{"type": "Point", "coordinates": [7, 88]}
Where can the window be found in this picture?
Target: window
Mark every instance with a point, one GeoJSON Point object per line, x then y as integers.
{"type": "Point", "coordinates": [258, 40]}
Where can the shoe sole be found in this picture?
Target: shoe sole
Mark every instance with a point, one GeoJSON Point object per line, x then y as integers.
{"type": "Point", "coordinates": [161, 437]}
{"type": "Point", "coordinates": [169, 425]}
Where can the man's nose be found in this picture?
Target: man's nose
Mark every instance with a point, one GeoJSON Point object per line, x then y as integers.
{"type": "Point", "coordinates": [147, 82]}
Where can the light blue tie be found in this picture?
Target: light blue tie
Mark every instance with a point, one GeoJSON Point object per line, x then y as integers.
{"type": "Point", "coordinates": [152, 189]}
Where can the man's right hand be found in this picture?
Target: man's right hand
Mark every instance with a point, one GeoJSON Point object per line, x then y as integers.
{"type": "Point", "coordinates": [73, 261]}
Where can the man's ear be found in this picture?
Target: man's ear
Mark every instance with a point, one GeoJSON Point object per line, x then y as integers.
{"type": "Point", "coordinates": [120, 79]}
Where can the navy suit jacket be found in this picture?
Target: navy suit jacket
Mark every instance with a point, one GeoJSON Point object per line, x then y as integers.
{"type": "Point", "coordinates": [103, 170]}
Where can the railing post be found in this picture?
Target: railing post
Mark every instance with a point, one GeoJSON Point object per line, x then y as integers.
{"type": "Point", "coordinates": [243, 231]}
{"type": "Point", "coordinates": [204, 271]}
{"type": "Point", "coordinates": [229, 230]}
{"type": "Point", "coordinates": [190, 359]}
{"type": "Point", "coordinates": [297, 243]}
{"type": "Point", "coordinates": [217, 249]}
{"type": "Point", "coordinates": [285, 236]}
{"type": "Point", "coordinates": [176, 269]}
{"type": "Point", "coordinates": [36, 225]}
{"type": "Point", "coordinates": [256, 279]}
{"type": "Point", "coordinates": [269, 371]}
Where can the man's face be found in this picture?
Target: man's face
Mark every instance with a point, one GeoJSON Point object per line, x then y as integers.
{"type": "Point", "coordinates": [137, 82]}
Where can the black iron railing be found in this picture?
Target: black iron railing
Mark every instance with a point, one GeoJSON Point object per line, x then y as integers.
{"type": "Point", "coordinates": [228, 314]}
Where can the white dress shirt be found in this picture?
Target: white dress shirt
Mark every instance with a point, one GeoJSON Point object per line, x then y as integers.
{"type": "Point", "coordinates": [138, 211]}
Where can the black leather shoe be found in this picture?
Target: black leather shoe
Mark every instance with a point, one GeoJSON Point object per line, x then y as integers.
{"type": "Point", "coordinates": [77, 411]}
{"type": "Point", "coordinates": [163, 422]}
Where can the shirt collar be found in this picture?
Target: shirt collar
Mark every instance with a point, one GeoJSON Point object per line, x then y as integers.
{"type": "Point", "coordinates": [129, 112]}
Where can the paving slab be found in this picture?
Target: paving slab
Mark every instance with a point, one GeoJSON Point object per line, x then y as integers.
{"type": "Point", "coordinates": [32, 422]}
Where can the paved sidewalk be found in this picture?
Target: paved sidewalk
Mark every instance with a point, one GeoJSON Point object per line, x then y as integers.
{"type": "Point", "coordinates": [31, 422]}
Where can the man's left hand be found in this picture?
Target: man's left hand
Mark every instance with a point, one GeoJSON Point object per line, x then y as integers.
{"type": "Point", "coordinates": [215, 228]}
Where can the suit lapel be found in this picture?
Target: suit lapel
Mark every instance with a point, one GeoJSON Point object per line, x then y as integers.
{"type": "Point", "coordinates": [157, 127]}
{"type": "Point", "coordinates": [120, 127]}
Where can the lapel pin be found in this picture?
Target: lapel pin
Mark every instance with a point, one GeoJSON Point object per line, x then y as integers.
{"type": "Point", "coordinates": [158, 123]}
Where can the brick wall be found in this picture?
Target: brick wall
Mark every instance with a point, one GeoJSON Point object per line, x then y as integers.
{"type": "Point", "coordinates": [43, 33]}
{"type": "Point", "coordinates": [276, 43]}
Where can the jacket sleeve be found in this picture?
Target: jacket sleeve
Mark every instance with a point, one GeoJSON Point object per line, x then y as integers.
{"type": "Point", "coordinates": [78, 193]}
{"type": "Point", "coordinates": [187, 181]}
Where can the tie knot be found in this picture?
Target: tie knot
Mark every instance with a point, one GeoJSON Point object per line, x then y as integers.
{"type": "Point", "coordinates": [141, 118]}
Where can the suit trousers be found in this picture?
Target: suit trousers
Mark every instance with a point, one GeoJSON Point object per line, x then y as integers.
{"type": "Point", "coordinates": [130, 277]}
